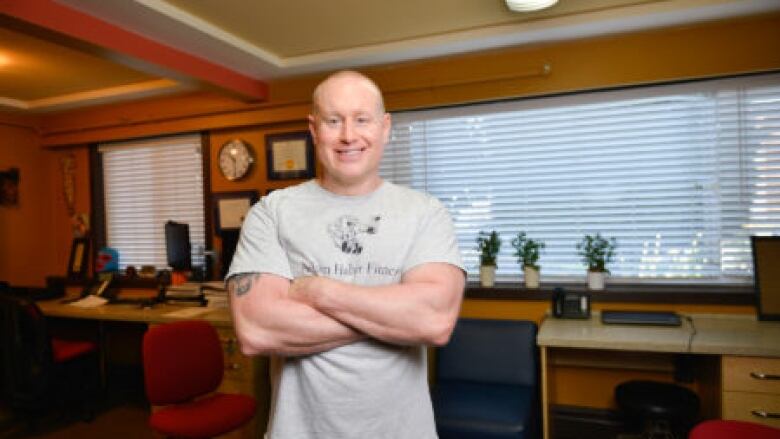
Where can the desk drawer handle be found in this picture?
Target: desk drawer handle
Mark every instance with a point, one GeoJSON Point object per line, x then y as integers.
{"type": "Point", "coordinates": [764, 376]}
{"type": "Point", "coordinates": [765, 414]}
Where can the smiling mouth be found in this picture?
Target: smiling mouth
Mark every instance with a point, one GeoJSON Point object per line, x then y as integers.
{"type": "Point", "coordinates": [349, 152]}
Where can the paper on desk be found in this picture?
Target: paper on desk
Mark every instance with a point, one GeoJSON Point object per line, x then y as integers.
{"type": "Point", "coordinates": [89, 302]}
{"type": "Point", "coordinates": [186, 313]}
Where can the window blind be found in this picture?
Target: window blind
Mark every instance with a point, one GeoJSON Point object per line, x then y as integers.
{"type": "Point", "coordinates": [146, 183]}
{"type": "Point", "coordinates": [681, 175]}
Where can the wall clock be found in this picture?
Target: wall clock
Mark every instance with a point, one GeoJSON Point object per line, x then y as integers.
{"type": "Point", "coordinates": [236, 158]}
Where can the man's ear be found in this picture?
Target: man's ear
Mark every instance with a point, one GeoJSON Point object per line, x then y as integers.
{"type": "Point", "coordinates": [312, 127]}
{"type": "Point", "coordinates": [387, 124]}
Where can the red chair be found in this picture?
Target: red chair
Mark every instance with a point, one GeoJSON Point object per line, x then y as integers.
{"type": "Point", "coordinates": [720, 429]}
{"type": "Point", "coordinates": [183, 367]}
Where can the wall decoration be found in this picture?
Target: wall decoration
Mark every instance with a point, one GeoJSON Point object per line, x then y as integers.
{"type": "Point", "coordinates": [289, 155]}
{"type": "Point", "coordinates": [230, 208]}
{"type": "Point", "coordinates": [68, 167]}
{"type": "Point", "coordinates": [9, 187]}
{"type": "Point", "coordinates": [79, 257]}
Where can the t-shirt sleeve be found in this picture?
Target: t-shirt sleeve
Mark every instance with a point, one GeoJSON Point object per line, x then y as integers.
{"type": "Point", "coordinates": [435, 240]}
{"type": "Point", "coordinates": [258, 249]}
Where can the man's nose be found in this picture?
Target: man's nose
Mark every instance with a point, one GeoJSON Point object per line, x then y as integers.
{"type": "Point", "coordinates": [347, 131]}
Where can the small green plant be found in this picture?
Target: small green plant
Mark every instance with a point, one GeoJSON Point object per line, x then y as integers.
{"type": "Point", "coordinates": [597, 251]}
{"type": "Point", "coordinates": [527, 250]}
{"type": "Point", "coordinates": [488, 245]}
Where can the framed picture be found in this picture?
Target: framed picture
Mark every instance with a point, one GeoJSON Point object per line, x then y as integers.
{"type": "Point", "coordinates": [79, 259]}
{"type": "Point", "coordinates": [289, 155]}
{"type": "Point", "coordinates": [230, 208]}
{"type": "Point", "coordinates": [9, 187]}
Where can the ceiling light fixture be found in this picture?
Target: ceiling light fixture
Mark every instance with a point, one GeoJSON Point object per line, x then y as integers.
{"type": "Point", "coordinates": [529, 5]}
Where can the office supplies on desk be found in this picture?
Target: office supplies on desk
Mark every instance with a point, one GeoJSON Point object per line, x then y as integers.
{"type": "Point", "coordinates": [89, 302]}
{"type": "Point", "coordinates": [568, 305]}
{"type": "Point", "coordinates": [662, 318]}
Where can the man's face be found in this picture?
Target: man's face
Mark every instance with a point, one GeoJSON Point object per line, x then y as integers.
{"type": "Point", "coordinates": [350, 131]}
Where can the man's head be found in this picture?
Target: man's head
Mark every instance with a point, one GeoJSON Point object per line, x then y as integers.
{"type": "Point", "coordinates": [350, 127]}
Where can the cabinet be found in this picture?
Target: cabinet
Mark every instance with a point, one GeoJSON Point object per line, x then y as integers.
{"type": "Point", "coordinates": [247, 375]}
{"type": "Point", "coordinates": [751, 389]}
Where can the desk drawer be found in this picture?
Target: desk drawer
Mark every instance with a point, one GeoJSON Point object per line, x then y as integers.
{"type": "Point", "coordinates": [754, 407]}
{"type": "Point", "coordinates": [237, 365]}
{"type": "Point", "coordinates": [752, 374]}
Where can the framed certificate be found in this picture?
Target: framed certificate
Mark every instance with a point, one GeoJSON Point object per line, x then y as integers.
{"type": "Point", "coordinates": [79, 259]}
{"type": "Point", "coordinates": [230, 208]}
{"type": "Point", "coordinates": [289, 155]}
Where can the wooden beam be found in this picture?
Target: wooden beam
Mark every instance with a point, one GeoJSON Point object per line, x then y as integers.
{"type": "Point", "coordinates": [73, 23]}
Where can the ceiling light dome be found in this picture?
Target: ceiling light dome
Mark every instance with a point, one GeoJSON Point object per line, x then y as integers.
{"type": "Point", "coordinates": [529, 5]}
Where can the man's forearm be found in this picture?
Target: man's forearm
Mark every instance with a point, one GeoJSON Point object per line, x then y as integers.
{"type": "Point", "coordinates": [269, 322]}
{"type": "Point", "coordinates": [421, 310]}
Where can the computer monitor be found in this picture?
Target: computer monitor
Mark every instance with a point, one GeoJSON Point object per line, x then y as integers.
{"type": "Point", "coordinates": [766, 276]}
{"type": "Point", "coordinates": [177, 246]}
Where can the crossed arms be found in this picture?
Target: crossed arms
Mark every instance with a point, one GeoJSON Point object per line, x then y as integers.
{"type": "Point", "coordinates": [273, 315]}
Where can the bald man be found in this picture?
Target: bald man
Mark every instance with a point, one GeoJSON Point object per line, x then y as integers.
{"type": "Point", "coordinates": [344, 280]}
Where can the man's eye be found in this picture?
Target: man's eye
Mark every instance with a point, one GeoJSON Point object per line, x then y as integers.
{"type": "Point", "coordinates": [332, 122]}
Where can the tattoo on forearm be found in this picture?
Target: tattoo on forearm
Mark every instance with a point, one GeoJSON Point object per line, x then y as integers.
{"type": "Point", "coordinates": [240, 284]}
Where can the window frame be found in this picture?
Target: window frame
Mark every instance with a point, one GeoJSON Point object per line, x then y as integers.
{"type": "Point", "coordinates": [652, 290]}
{"type": "Point", "coordinates": [98, 214]}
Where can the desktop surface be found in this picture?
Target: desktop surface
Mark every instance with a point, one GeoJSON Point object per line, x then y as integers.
{"type": "Point", "coordinates": [734, 334]}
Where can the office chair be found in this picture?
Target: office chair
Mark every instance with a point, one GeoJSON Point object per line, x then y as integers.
{"type": "Point", "coordinates": [487, 381]}
{"type": "Point", "coordinates": [721, 429]}
{"type": "Point", "coordinates": [183, 366]}
{"type": "Point", "coordinates": [41, 372]}
{"type": "Point", "coordinates": [664, 410]}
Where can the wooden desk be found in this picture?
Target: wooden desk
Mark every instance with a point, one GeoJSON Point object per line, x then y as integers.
{"type": "Point", "coordinates": [242, 374]}
{"type": "Point", "coordinates": [737, 339]}
{"type": "Point", "coordinates": [219, 317]}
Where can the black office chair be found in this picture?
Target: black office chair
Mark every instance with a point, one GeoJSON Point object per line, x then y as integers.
{"type": "Point", "coordinates": [487, 381]}
{"type": "Point", "coordinates": [39, 372]}
{"type": "Point", "coordinates": [660, 410]}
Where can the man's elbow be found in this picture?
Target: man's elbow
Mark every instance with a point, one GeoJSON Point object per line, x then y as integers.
{"type": "Point", "coordinates": [256, 344]}
{"type": "Point", "coordinates": [439, 330]}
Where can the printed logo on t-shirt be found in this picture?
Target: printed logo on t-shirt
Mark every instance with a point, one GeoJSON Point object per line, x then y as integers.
{"type": "Point", "coordinates": [347, 231]}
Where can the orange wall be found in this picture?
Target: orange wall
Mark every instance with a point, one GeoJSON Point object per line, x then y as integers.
{"type": "Point", "coordinates": [696, 51]}
{"type": "Point", "coordinates": [25, 229]}
{"type": "Point", "coordinates": [36, 235]}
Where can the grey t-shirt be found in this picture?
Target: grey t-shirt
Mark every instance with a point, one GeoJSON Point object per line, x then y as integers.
{"type": "Point", "coordinates": [367, 389]}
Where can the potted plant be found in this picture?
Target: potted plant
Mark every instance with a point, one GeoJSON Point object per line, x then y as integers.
{"type": "Point", "coordinates": [488, 245]}
{"type": "Point", "coordinates": [527, 252]}
{"type": "Point", "coordinates": [596, 252]}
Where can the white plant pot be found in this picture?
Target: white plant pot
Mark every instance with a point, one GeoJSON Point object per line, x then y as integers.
{"type": "Point", "coordinates": [487, 275]}
{"type": "Point", "coordinates": [596, 280]}
{"type": "Point", "coordinates": [531, 277]}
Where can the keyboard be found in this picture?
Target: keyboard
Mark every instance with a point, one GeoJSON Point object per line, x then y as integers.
{"type": "Point", "coordinates": [660, 318]}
